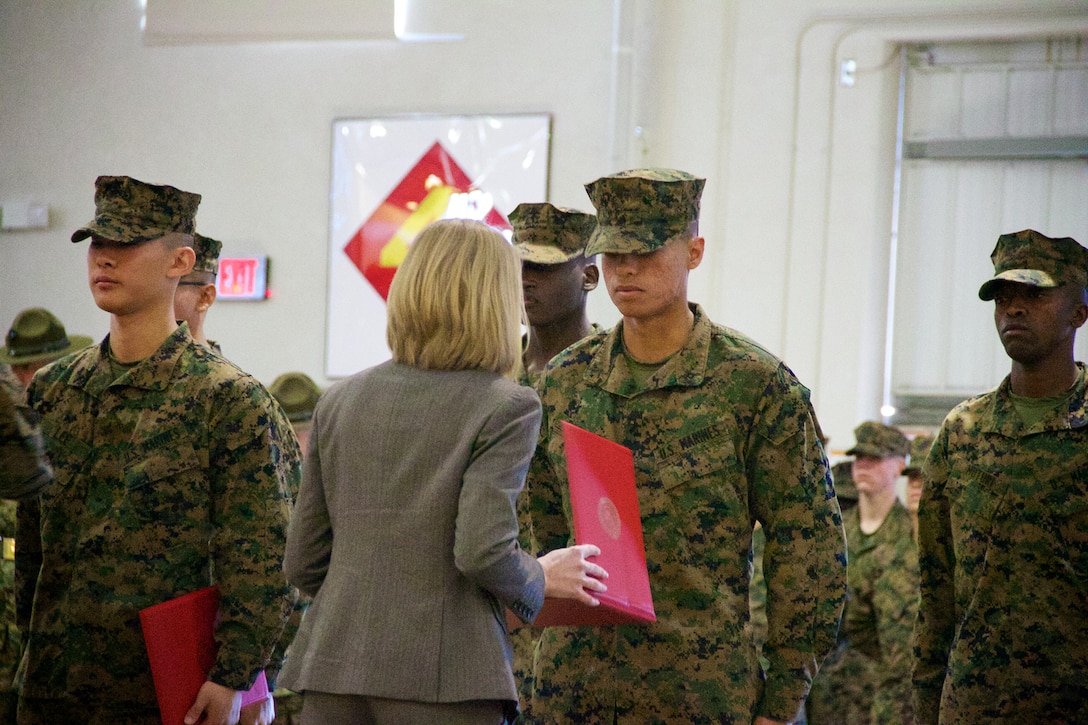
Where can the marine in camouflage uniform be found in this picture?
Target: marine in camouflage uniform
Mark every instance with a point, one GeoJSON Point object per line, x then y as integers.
{"type": "Point", "coordinates": [723, 435]}
{"type": "Point", "coordinates": [172, 473]}
{"type": "Point", "coordinates": [883, 587]}
{"type": "Point", "coordinates": [196, 291]}
{"type": "Point", "coordinates": [556, 279]}
{"type": "Point", "coordinates": [1003, 521]}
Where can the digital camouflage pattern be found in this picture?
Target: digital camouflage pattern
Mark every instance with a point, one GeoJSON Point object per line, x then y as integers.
{"type": "Point", "coordinates": [25, 470]}
{"type": "Point", "coordinates": [723, 435]}
{"type": "Point", "coordinates": [640, 210]}
{"type": "Point", "coordinates": [879, 440]}
{"type": "Point", "coordinates": [842, 474]}
{"type": "Point", "coordinates": [880, 609]}
{"type": "Point", "coordinates": [1029, 257]}
{"type": "Point", "coordinates": [1003, 539]}
{"type": "Point", "coordinates": [174, 476]}
{"type": "Point", "coordinates": [546, 234]}
{"type": "Point", "coordinates": [207, 253]}
{"type": "Point", "coordinates": [842, 693]}
{"type": "Point", "coordinates": [130, 211]}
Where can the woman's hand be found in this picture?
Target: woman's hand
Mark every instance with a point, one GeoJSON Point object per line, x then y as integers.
{"type": "Point", "coordinates": [568, 574]}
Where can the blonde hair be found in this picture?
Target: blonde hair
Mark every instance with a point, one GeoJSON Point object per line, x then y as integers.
{"type": "Point", "coordinates": [456, 301]}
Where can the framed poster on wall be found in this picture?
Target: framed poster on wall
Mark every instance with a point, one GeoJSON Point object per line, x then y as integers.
{"type": "Point", "coordinates": [393, 176]}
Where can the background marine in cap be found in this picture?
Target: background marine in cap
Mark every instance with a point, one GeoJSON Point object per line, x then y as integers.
{"type": "Point", "coordinates": [171, 473]}
{"type": "Point", "coordinates": [196, 290]}
{"type": "Point", "coordinates": [919, 451]}
{"type": "Point", "coordinates": [883, 587]}
{"type": "Point", "coordinates": [1003, 520]}
{"type": "Point", "coordinates": [723, 434]}
{"type": "Point", "coordinates": [556, 277]}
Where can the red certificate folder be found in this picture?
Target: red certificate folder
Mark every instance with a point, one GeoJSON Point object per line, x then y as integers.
{"type": "Point", "coordinates": [604, 505]}
{"type": "Point", "coordinates": [179, 635]}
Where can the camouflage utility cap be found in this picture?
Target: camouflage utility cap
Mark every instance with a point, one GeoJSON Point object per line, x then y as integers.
{"type": "Point", "coordinates": [297, 394]}
{"type": "Point", "coordinates": [641, 210]}
{"type": "Point", "coordinates": [546, 234]}
{"type": "Point", "coordinates": [919, 450]}
{"type": "Point", "coordinates": [207, 253]}
{"type": "Point", "coordinates": [37, 335]}
{"type": "Point", "coordinates": [842, 475]}
{"type": "Point", "coordinates": [1029, 257]}
{"type": "Point", "coordinates": [879, 440]}
{"type": "Point", "coordinates": [130, 211]}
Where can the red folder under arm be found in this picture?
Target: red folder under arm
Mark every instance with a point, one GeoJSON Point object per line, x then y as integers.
{"type": "Point", "coordinates": [604, 505]}
{"type": "Point", "coordinates": [180, 639]}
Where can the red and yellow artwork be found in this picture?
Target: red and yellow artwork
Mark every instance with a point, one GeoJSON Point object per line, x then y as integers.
{"type": "Point", "coordinates": [423, 196]}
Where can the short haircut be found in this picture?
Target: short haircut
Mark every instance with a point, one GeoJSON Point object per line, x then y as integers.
{"type": "Point", "coordinates": [456, 301]}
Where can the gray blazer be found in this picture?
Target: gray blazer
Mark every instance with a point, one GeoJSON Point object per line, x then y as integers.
{"type": "Point", "coordinates": [405, 533]}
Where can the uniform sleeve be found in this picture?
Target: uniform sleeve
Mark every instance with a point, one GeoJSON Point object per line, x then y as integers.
{"type": "Point", "coordinates": [804, 561]}
{"type": "Point", "coordinates": [256, 465]}
{"type": "Point", "coordinates": [935, 625]}
{"type": "Point", "coordinates": [485, 545]}
{"type": "Point", "coordinates": [24, 467]}
{"type": "Point", "coordinates": [545, 486]}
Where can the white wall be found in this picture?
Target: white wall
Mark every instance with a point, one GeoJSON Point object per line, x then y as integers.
{"type": "Point", "coordinates": [796, 208]}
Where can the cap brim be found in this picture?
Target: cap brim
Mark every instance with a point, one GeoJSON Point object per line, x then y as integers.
{"type": "Point", "coordinates": [543, 254]}
{"type": "Point", "coordinates": [118, 230]}
{"type": "Point", "coordinates": [75, 344]}
{"type": "Point", "coordinates": [624, 240]}
{"type": "Point", "coordinates": [1033, 277]}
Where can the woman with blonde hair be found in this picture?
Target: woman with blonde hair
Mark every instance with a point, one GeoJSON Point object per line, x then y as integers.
{"type": "Point", "coordinates": [405, 530]}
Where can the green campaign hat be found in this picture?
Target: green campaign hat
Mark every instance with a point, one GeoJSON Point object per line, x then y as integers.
{"type": "Point", "coordinates": [207, 253]}
{"type": "Point", "coordinates": [877, 439]}
{"type": "Point", "coordinates": [297, 394]}
{"type": "Point", "coordinates": [842, 475]}
{"type": "Point", "coordinates": [37, 335]}
{"type": "Point", "coordinates": [1028, 257]}
{"type": "Point", "coordinates": [919, 450]}
{"type": "Point", "coordinates": [546, 234]}
{"type": "Point", "coordinates": [130, 211]}
{"type": "Point", "coordinates": [641, 210]}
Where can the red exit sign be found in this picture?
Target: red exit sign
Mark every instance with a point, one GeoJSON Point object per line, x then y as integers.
{"type": "Point", "coordinates": [243, 278]}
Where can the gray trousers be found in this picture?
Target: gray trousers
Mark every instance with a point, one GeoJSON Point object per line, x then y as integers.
{"type": "Point", "coordinates": [323, 708]}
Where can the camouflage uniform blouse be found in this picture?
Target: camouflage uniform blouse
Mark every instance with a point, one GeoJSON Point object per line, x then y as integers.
{"type": "Point", "coordinates": [1002, 632]}
{"type": "Point", "coordinates": [173, 477]}
{"type": "Point", "coordinates": [880, 609]}
{"type": "Point", "coordinates": [723, 434]}
{"type": "Point", "coordinates": [24, 469]}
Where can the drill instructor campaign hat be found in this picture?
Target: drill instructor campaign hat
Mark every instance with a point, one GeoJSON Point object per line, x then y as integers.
{"type": "Point", "coordinates": [1028, 257]}
{"type": "Point", "coordinates": [546, 234]}
{"type": "Point", "coordinates": [129, 211]}
{"type": "Point", "coordinates": [640, 210]}
{"type": "Point", "coordinates": [37, 335]}
{"type": "Point", "coordinates": [297, 394]}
